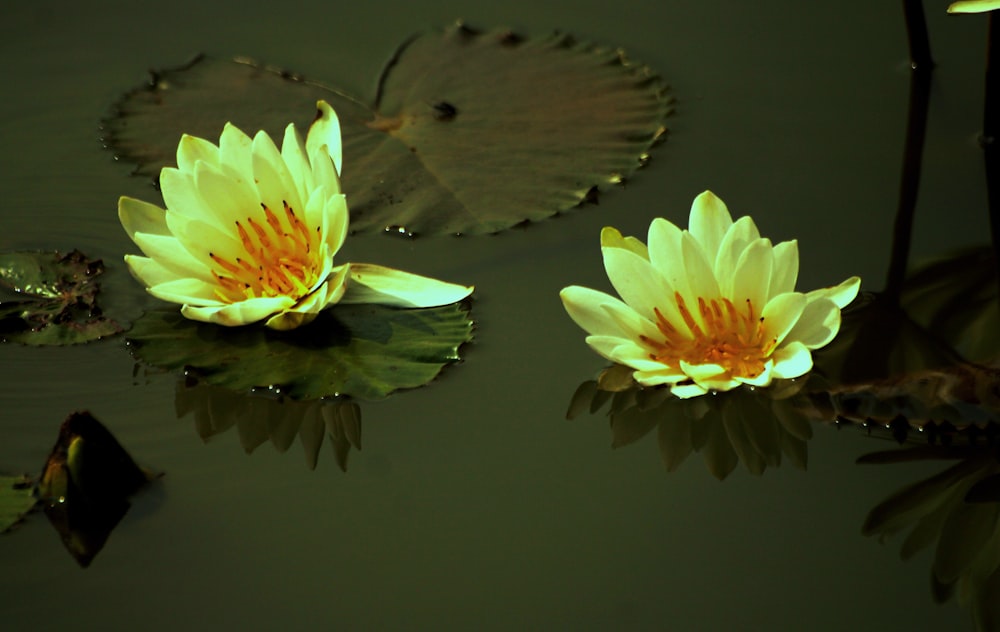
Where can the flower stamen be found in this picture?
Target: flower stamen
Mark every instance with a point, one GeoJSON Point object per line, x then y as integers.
{"type": "Point", "coordinates": [725, 337]}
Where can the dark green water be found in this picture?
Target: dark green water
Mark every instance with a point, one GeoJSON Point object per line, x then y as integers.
{"type": "Point", "coordinates": [474, 504]}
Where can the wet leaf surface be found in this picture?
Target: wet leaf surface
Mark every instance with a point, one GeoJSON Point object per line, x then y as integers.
{"type": "Point", "coordinates": [51, 299]}
{"type": "Point", "coordinates": [16, 499]}
{"type": "Point", "coordinates": [470, 132]}
{"type": "Point", "coordinates": [364, 351]}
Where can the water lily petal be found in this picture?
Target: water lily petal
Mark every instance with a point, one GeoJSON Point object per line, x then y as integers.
{"type": "Point", "coordinates": [242, 313]}
{"type": "Point", "coordinates": [187, 291]}
{"type": "Point", "coordinates": [658, 377]}
{"type": "Point", "coordinates": [612, 238]}
{"type": "Point", "coordinates": [370, 283]}
{"type": "Point", "coordinates": [752, 275]}
{"type": "Point", "coordinates": [818, 324]}
{"type": "Point", "coordinates": [639, 285]}
{"type": "Point", "coordinates": [594, 311]}
{"type": "Point", "coordinates": [786, 267]}
{"type": "Point", "coordinates": [687, 391]}
{"type": "Point", "coordinates": [336, 218]}
{"type": "Point", "coordinates": [973, 6]}
{"type": "Point", "coordinates": [182, 197]}
{"type": "Point", "coordinates": [201, 240]}
{"type": "Point", "coordinates": [763, 378]}
{"type": "Point", "coordinates": [137, 216]}
{"type": "Point", "coordinates": [604, 345]}
{"type": "Point", "coordinates": [841, 294]}
{"type": "Point", "coordinates": [329, 291]}
{"type": "Point", "coordinates": [709, 221]}
{"type": "Point", "coordinates": [737, 238]}
{"type": "Point", "coordinates": [226, 198]}
{"type": "Point", "coordinates": [781, 314]}
{"type": "Point", "coordinates": [293, 151]}
{"type": "Point", "coordinates": [701, 279]}
{"type": "Point", "coordinates": [191, 149]}
{"type": "Point", "coordinates": [169, 253]}
{"type": "Point", "coordinates": [325, 130]}
{"type": "Point", "coordinates": [323, 169]}
{"type": "Point", "coordinates": [633, 355]}
{"type": "Point", "coordinates": [666, 255]}
{"type": "Point", "coordinates": [149, 271]}
{"type": "Point", "coordinates": [235, 153]}
{"type": "Point", "coordinates": [792, 360]}
{"type": "Point", "coordinates": [275, 185]}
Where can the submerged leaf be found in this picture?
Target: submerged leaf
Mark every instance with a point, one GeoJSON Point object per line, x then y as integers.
{"type": "Point", "coordinates": [16, 499]}
{"type": "Point", "coordinates": [364, 351]}
{"type": "Point", "coordinates": [470, 132]}
{"type": "Point", "coordinates": [51, 299]}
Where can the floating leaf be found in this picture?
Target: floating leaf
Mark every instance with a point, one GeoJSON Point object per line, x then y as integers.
{"type": "Point", "coordinates": [85, 485]}
{"type": "Point", "coordinates": [364, 351]}
{"type": "Point", "coordinates": [16, 499]}
{"type": "Point", "coordinates": [470, 131]}
{"type": "Point", "coordinates": [260, 418]}
{"type": "Point", "coordinates": [51, 299]}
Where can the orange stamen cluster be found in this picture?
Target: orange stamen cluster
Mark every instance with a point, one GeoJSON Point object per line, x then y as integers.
{"type": "Point", "coordinates": [279, 259]}
{"type": "Point", "coordinates": [723, 335]}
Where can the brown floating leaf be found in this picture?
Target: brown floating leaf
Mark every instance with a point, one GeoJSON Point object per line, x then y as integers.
{"type": "Point", "coordinates": [471, 132]}
{"type": "Point", "coordinates": [85, 485]}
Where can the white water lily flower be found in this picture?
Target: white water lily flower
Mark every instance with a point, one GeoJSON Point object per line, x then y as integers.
{"type": "Point", "coordinates": [706, 309]}
{"type": "Point", "coordinates": [249, 233]}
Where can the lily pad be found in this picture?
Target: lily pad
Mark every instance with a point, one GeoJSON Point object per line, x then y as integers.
{"type": "Point", "coordinates": [364, 351]}
{"type": "Point", "coordinates": [16, 499]}
{"type": "Point", "coordinates": [469, 132]}
{"type": "Point", "coordinates": [51, 299]}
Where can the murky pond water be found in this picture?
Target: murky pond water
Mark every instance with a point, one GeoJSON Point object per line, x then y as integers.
{"type": "Point", "coordinates": [474, 503]}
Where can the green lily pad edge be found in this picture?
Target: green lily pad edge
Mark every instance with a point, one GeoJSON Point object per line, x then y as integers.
{"type": "Point", "coordinates": [360, 351]}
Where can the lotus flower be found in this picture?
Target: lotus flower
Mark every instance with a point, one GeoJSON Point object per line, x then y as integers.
{"type": "Point", "coordinates": [249, 233]}
{"type": "Point", "coordinates": [706, 309]}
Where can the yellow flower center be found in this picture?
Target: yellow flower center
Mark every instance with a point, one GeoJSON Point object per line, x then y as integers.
{"type": "Point", "coordinates": [279, 259]}
{"type": "Point", "coordinates": [726, 336]}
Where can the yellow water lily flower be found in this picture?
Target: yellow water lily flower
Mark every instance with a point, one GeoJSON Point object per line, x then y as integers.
{"type": "Point", "coordinates": [706, 309]}
{"type": "Point", "coordinates": [249, 233]}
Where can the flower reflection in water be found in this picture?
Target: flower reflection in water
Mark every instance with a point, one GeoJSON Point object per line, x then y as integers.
{"type": "Point", "coordinates": [957, 513]}
{"type": "Point", "coordinates": [259, 418]}
{"type": "Point", "coordinates": [755, 427]}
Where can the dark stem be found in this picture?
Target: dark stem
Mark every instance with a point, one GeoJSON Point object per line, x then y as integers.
{"type": "Point", "coordinates": [916, 30]}
{"type": "Point", "coordinates": [916, 126]}
{"type": "Point", "coordinates": [989, 139]}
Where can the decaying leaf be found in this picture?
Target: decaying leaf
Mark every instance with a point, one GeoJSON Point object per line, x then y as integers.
{"type": "Point", "coordinates": [51, 299]}
{"type": "Point", "coordinates": [85, 485]}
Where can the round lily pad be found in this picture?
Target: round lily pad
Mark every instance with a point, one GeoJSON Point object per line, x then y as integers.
{"type": "Point", "coordinates": [470, 131]}
{"type": "Point", "coordinates": [364, 351]}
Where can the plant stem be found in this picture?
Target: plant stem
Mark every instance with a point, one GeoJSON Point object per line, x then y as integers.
{"type": "Point", "coordinates": [921, 66]}
{"type": "Point", "coordinates": [991, 103]}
